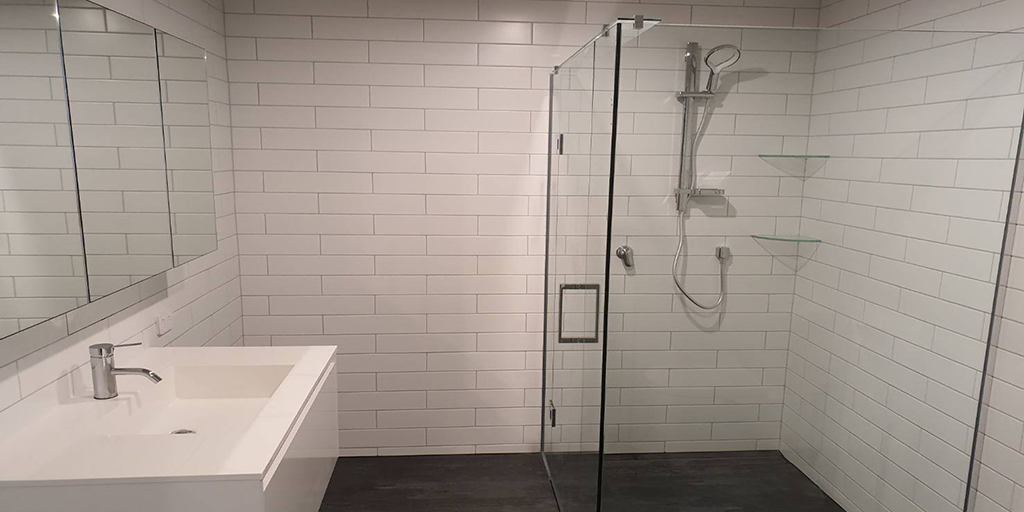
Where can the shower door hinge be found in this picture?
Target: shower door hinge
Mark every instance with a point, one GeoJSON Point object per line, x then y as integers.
{"type": "Point", "coordinates": [552, 413]}
{"type": "Point", "coordinates": [560, 144]}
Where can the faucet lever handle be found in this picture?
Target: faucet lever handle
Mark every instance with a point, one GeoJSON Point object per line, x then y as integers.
{"type": "Point", "coordinates": [101, 350]}
{"type": "Point", "coordinates": [107, 349]}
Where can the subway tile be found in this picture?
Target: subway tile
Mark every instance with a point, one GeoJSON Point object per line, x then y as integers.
{"type": "Point", "coordinates": [372, 244]}
{"type": "Point", "coordinates": [429, 418]}
{"type": "Point", "coordinates": [442, 9]}
{"type": "Point", "coordinates": [319, 50]}
{"type": "Point", "coordinates": [285, 117]}
{"type": "Point", "coordinates": [367, 74]}
{"type": "Point", "coordinates": [762, 16]}
{"type": "Point", "coordinates": [531, 10]}
{"type": "Point", "coordinates": [318, 139]}
{"type": "Point", "coordinates": [316, 182]}
{"type": "Point", "coordinates": [280, 285]}
{"type": "Point", "coordinates": [455, 361]}
{"type": "Point", "coordinates": [936, 61]}
{"type": "Point", "coordinates": [474, 435]}
{"type": "Point", "coordinates": [253, 25]}
{"type": "Point", "coordinates": [425, 265]}
{"type": "Point", "coordinates": [373, 285]}
{"type": "Point", "coordinates": [423, 97]}
{"type": "Point", "coordinates": [386, 400]}
{"type": "Point", "coordinates": [477, 205]}
{"type": "Point", "coordinates": [449, 163]}
{"type": "Point", "coordinates": [314, 95]}
{"type": "Point", "coordinates": [426, 304]}
{"type": "Point", "coordinates": [322, 305]}
{"type": "Point", "coordinates": [478, 76]}
{"type": "Point", "coordinates": [374, 324]}
{"type": "Point", "coordinates": [423, 53]}
{"type": "Point", "coordinates": [372, 204]}
{"type": "Point", "coordinates": [370, 29]}
{"type": "Point", "coordinates": [380, 363]}
{"type": "Point", "coordinates": [477, 323]}
{"type": "Point", "coordinates": [481, 121]}
{"type": "Point", "coordinates": [319, 265]}
{"type": "Point", "coordinates": [370, 161]}
{"type": "Point", "coordinates": [477, 32]}
{"type": "Point", "coordinates": [432, 343]}
{"type": "Point", "coordinates": [312, 7]}
{"type": "Point", "coordinates": [475, 398]}
{"type": "Point", "coordinates": [453, 142]}
{"type": "Point", "coordinates": [990, 143]}
{"type": "Point", "coordinates": [369, 118]}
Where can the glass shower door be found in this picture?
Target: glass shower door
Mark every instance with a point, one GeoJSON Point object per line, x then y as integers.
{"type": "Point", "coordinates": [575, 286]}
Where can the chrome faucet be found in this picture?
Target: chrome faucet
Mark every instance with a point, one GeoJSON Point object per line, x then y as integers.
{"type": "Point", "coordinates": [104, 374]}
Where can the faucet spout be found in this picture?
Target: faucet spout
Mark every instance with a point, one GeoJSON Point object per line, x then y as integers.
{"type": "Point", "coordinates": [104, 373]}
{"type": "Point", "coordinates": [147, 373]}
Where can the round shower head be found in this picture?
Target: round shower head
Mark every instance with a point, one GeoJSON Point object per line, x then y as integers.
{"type": "Point", "coordinates": [719, 58]}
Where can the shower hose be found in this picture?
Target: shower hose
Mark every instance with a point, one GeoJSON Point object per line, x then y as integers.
{"type": "Point", "coordinates": [682, 220]}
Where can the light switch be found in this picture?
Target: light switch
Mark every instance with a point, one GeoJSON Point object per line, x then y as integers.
{"type": "Point", "coordinates": [164, 324]}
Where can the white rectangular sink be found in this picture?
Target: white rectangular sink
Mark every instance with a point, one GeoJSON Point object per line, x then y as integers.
{"type": "Point", "coordinates": [250, 429]}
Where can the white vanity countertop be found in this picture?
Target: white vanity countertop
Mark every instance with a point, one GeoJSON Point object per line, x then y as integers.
{"type": "Point", "coordinates": [240, 401]}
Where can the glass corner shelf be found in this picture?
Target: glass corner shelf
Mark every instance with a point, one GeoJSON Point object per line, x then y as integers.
{"type": "Point", "coordinates": [801, 166]}
{"type": "Point", "coordinates": [787, 238]}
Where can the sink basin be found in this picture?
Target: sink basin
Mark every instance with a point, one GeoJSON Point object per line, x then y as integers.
{"type": "Point", "coordinates": [240, 418]}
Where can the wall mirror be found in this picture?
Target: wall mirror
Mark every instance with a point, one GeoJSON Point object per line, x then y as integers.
{"type": "Point", "coordinates": [42, 261]}
{"type": "Point", "coordinates": [116, 126]}
{"type": "Point", "coordinates": [186, 111]}
{"type": "Point", "coordinates": [106, 174]}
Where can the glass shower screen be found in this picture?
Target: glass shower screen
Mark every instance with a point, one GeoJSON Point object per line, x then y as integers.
{"type": "Point", "coordinates": [846, 193]}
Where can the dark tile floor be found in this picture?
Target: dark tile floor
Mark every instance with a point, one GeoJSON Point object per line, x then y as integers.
{"type": "Point", "coordinates": [490, 483]}
{"type": "Point", "coordinates": [693, 482]}
{"type": "Point", "coordinates": [690, 482]}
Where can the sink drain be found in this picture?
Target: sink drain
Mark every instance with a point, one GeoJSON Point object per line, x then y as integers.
{"type": "Point", "coordinates": [182, 431]}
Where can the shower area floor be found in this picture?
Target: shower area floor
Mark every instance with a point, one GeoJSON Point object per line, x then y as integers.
{"type": "Point", "coordinates": [684, 482]}
{"type": "Point", "coordinates": [762, 481]}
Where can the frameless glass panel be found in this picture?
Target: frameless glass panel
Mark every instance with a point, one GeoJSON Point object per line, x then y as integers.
{"type": "Point", "coordinates": [572, 393]}
{"type": "Point", "coordinates": [42, 268]}
{"type": "Point", "coordinates": [846, 191]}
{"type": "Point", "coordinates": [186, 115]}
{"type": "Point", "coordinates": [995, 443]}
{"type": "Point", "coordinates": [114, 94]}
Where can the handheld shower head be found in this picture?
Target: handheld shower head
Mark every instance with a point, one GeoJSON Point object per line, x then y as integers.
{"type": "Point", "coordinates": [719, 58]}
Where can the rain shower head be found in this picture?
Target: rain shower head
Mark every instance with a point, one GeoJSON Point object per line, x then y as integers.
{"type": "Point", "coordinates": [719, 58]}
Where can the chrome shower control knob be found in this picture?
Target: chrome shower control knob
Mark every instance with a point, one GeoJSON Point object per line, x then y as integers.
{"type": "Point", "coordinates": [625, 253]}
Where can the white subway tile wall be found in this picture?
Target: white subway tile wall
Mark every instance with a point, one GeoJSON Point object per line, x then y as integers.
{"type": "Point", "coordinates": [891, 313]}
{"type": "Point", "coordinates": [388, 171]}
{"type": "Point", "coordinates": [41, 261]}
{"type": "Point", "coordinates": [396, 163]}
{"type": "Point", "coordinates": [203, 296]}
